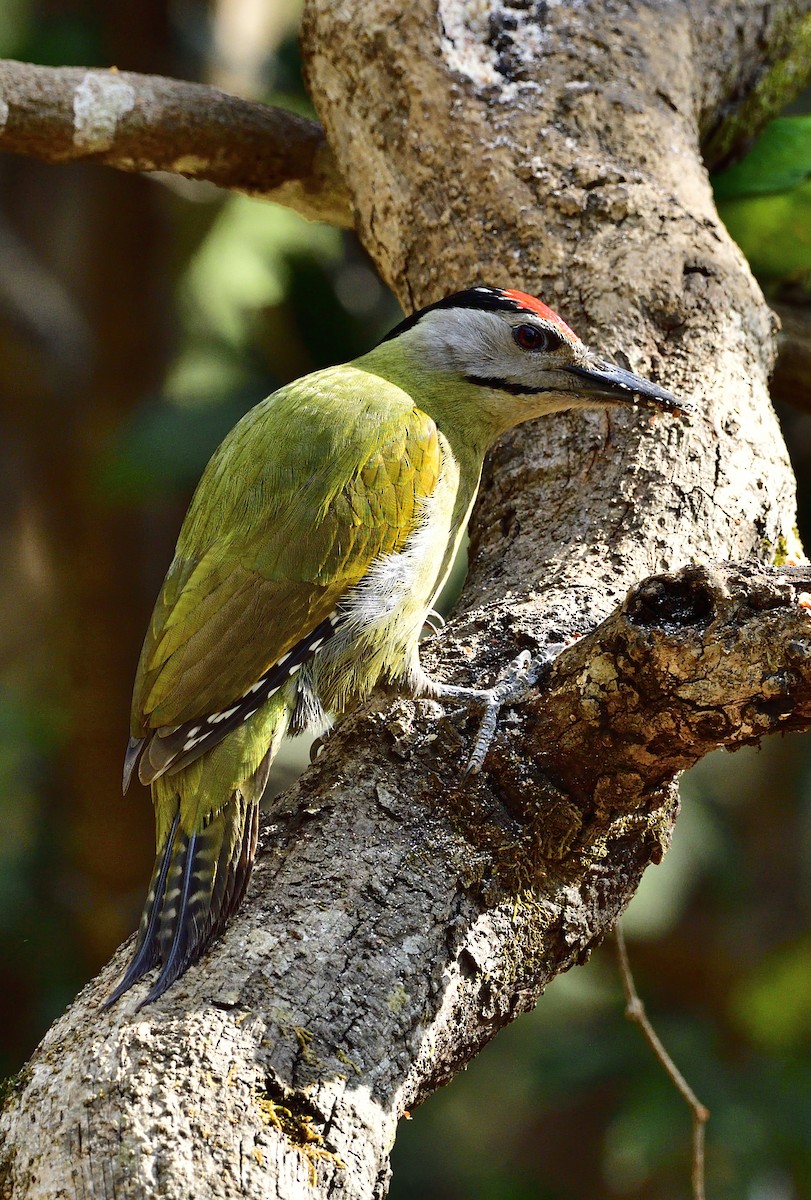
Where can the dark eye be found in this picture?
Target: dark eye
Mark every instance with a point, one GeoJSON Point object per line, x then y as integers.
{"type": "Point", "coordinates": [530, 337]}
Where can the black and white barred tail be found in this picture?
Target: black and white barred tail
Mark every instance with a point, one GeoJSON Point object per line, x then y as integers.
{"type": "Point", "coordinates": [198, 882]}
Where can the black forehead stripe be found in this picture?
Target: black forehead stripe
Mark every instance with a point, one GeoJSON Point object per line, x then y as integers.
{"type": "Point", "coordinates": [483, 298]}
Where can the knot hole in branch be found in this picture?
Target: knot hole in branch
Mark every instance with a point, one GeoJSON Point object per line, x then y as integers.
{"type": "Point", "coordinates": [672, 600]}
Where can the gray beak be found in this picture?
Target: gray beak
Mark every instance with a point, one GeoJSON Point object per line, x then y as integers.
{"type": "Point", "coordinates": [604, 381]}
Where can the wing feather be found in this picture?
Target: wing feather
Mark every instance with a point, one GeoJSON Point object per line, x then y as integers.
{"type": "Point", "coordinates": [307, 490]}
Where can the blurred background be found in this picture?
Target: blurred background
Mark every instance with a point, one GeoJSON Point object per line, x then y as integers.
{"type": "Point", "coordinates": [139, 317]}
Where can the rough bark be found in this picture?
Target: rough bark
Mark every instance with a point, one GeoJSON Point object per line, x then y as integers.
{"type": "Point", "coordinates": [402, 914]}
{"type": "Point", "coordinates": [148, 123]}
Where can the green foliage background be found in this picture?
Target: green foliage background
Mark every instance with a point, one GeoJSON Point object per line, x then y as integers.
{"type": "Point", "coordinates": [138, 320]}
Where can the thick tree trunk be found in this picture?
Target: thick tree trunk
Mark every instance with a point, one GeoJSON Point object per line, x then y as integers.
{"type": "Point", "coordinates": [402, 914]}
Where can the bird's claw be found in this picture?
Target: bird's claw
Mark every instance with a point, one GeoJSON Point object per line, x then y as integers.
{"type": "Point", "coordinates": [434, 622]}
{"type": "Point", "coordinates": [513, 684]}
{"type": "Point", "coordinates": [318, 744]}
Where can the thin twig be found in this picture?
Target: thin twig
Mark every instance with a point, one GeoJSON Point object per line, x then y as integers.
{"type": "Point", "coordinates": [635, 1011]}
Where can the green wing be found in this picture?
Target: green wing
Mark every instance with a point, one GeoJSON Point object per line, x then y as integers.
{"type": "Point", "coordinates": [304, 493]}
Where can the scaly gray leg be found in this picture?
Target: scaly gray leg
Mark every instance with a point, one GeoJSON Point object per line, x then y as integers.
{"type": "Point", "coordinates": [513, 684]}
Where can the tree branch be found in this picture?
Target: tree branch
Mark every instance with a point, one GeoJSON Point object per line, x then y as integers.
{"type": "Point", "coordinates": [635, 1011]}
{"type": "Point", "coordinates": [746, 71]}
{"type": "Point", "coordinates": [707, 657]}
{"type": "Point", "coordinates": [283, 1062]}
{"type": "Point", "coordinates": [149, 123]}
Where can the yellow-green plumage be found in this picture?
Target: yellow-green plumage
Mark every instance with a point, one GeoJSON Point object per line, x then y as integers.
{"type": "Point", "coordinates": [318, 537]}
{"type": "Point", "coordinates": [272, 540]}
{"type": "Point", "coordinates": [314, 484]}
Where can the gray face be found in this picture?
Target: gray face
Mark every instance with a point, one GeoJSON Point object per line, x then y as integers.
{"type": "Point", "coordinates": [523, 355]}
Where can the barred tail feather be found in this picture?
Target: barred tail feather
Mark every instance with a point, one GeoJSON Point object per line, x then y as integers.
{"type": "Point", "coordinates": [145, 955]}
{"type": "Point", "coordinates": [233, 875]}
{"type": "Point", "coordinates": [178, 934]}
{"type": "Point", "coordinates": [199, 880]}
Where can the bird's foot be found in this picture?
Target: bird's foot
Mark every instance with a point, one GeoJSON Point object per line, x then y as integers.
{"type": "Point", "coordinates": [513, 684]}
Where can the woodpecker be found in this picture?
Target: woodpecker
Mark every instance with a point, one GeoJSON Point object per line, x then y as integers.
{"type": "Point", "coordinates": [319, 536]}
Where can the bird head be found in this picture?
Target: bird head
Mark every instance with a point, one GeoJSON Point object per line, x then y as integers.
{"type": "Point", "coordinates": [525, 360]}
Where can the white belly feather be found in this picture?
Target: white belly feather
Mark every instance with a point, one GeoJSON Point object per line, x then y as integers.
{"type": "Point", "coordinates": [382, 617]}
